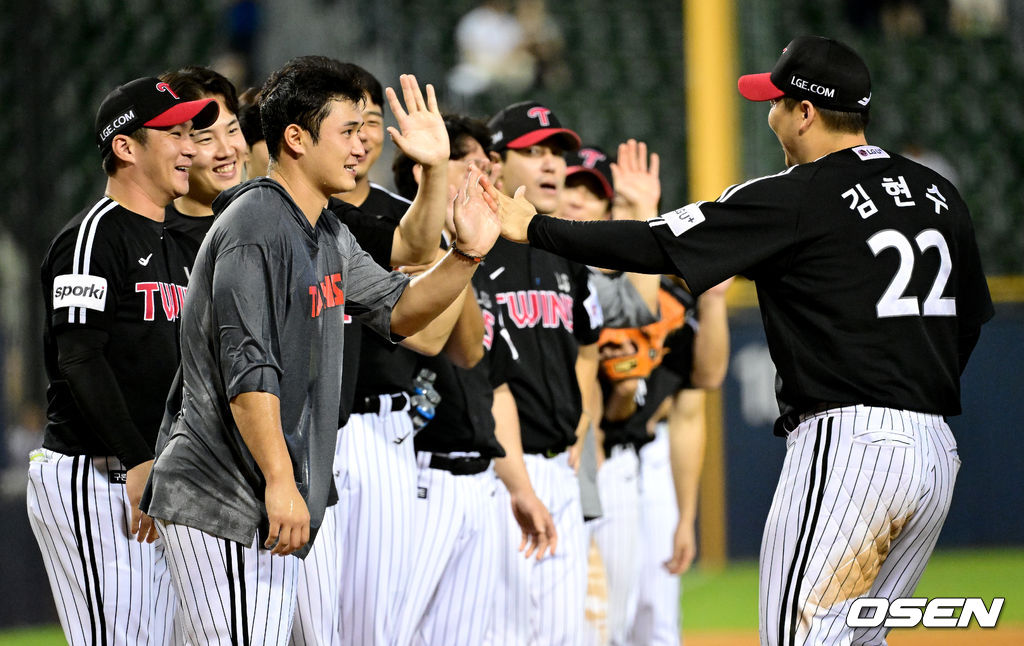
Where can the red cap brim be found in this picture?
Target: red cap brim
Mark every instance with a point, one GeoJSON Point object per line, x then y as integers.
{"type": "Point", "coordinates": [202, 113]}
{"type": "Point", "coordinates": [758, 87]}
{"type": "Point", "coordinates": [537, 136]}
{"type": "Point", "coordinates": [609, 192]}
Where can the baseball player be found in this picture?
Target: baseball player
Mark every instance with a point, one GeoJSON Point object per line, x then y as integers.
{"type": "Point", "coordinates": [339, 601]}
{"type": "Point", "coordinates": [244, 473]}
{"type": "Point", "coordinates": [553, 319]}
{"type": "Point", "coordinates": [453, 512]}
{"type": "Point", "coordinates": [220, 151]}
{"type": "Point", "coordinates": [113, 281]}
{"type": "Point", "coordinates": [671, 459]}
{"type": "Point", "coordinates": [628, 301]}
{"type": "Point", "coordinates": [873, 297]}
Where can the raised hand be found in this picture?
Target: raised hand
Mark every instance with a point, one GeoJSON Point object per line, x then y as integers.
{"type": "Point", "coordinates": [515, 212]}
{"type": "Point", "coordinates": [421, 133]}
{"type": "Point", "coordinates": [637, 185]}
{"type": "Point", "coordinates": [475, 215]}
{"type": "Point", "coordinates": [539, 534]}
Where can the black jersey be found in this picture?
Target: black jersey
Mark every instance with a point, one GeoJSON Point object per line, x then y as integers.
{"type": "Point", "coordinates": [671, 376]}
{"type": "Point", "coordinates": [463, 421]}
{"type": "Point", "coordinates": [375, 235]}
{"type": "Point", "coordinates": [193, 226]}
{"type": "Point", "coordinates": [867, 274]}
{"type": "Point", "coordinates": [122, 274]}
{"type": "Point", "coordinates": [384, 367]}
{"type": "Point", "coordinates": [550, 308]}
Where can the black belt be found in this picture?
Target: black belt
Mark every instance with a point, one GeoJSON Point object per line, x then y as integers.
{"type": "Point", "coordinates": [399, 401]}
{"type": "Point", "coordinates": [459, 466]}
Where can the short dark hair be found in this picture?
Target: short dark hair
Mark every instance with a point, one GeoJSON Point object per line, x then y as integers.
{"type": "Point", "coordinates": [249, 116]}
{"type": "Point", "coordinates": [194, 82]}
{"type": "Point", "coordinates": [461, 129]}
{"type": "Point", "coordinates": [301, 92]}
{"type": "Point", "coordinates": [371, 85]}
{"type": "Point", "coordinates": [110, 160]}
{"type": "Point", "coordinates": [847, 122]}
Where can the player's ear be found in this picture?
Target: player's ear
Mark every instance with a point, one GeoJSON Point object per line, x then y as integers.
{"type": "Point", "coordinates": [123, 148]}
{"type": "Point", "coordinates": [417, 173]}
{"type": "Point", "coordinates": [293, 141]}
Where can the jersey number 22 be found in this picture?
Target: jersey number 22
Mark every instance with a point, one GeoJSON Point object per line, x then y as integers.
{"type": "Point", "coordinates": [893, 302]}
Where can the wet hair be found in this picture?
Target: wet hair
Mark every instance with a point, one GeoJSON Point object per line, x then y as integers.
{"type": "Point", "coordinates": [301, 93]}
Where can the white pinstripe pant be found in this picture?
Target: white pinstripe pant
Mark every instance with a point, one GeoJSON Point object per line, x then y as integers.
{"type": "Point", "coordinates": [450, 600]}
{"type": "Point", "coordinates": [861, 499]}
{"type": "Point", "coordinates": [541, 603]}
{"type": "Point", "coordinates": [656, 621]}
{"type": "Point", "coordinates": [377, 490]}
{"type": "Point", "coordinates": [231, 594]}
{"type": "Point", "coordinates": [617, 533]}
{"type": "Point", "coordinates": [108, 588]}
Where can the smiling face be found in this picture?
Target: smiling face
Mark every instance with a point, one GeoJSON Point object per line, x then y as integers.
{"type": "Point", "coordinates": [163, 162]}
{"type": "Point", "coordinates": [220, 154]}
{"type": "Point", "coordinates": [540, 168]}
{"type": "Point", "coordinates": [332, 161]}
{"type": "Point", "coordinates": [372, 137]}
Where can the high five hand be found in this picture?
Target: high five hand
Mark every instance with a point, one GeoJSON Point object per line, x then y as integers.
{"type": "Point", "coordinates": [421, 133]}
{"type": "Point", "coordinates": [475, 215]}
{"type": "Point", "coordinates": [516, 213]}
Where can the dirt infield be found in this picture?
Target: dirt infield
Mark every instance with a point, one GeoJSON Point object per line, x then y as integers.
{"type": "Point", "coordinates": [1009, 636]}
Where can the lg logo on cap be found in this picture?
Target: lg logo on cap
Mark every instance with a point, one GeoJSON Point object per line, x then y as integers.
{"type": "Point", "coordinates": [163, 87]}
{"type": "Point", "coordinates": [590, 157]}
{"type": "Point", "coordinates": [541, 114]}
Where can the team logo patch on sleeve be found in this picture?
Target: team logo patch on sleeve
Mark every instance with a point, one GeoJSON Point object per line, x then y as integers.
{"type": "Point", "coordinates": [80, 290]}
{"type": "Point", "coordinates": [682, 220]}
{"type": "Point", "coordinates": [866, 153]}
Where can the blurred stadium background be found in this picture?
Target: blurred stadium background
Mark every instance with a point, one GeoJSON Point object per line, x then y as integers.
{"type": "Point", "coordinates": [948, 87]}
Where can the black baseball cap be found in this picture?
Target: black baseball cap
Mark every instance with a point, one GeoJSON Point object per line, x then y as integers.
{"type": "Point", "coordinates": [592, 160]}
{"type": "Point", "coordinates": [148, 102]}
{"type": "Point", "coordinates": [823, 71]}
{"type": "Point", "coordinates": [524, 124]}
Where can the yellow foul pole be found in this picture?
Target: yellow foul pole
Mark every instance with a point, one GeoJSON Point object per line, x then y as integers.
{"type": "Point", "coordinates": [709, 45]}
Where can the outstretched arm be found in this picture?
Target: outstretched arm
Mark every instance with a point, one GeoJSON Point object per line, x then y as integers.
{"type": "Point", "coordinates": [477, 227]}
{"type": "Point", "coordinates": [625, 245]}
{"type": "Point", "coordinates": [422, 136]}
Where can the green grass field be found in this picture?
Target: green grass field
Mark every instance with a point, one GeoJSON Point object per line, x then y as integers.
{"type": "Point", "coordinates": [968, 573]}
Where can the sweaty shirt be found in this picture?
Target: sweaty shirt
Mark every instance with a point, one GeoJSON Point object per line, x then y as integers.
{"type": "Point", "coordinates": [264, 313]}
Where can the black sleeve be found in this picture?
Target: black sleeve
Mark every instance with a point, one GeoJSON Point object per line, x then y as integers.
{"type": "Point", "coordinates": [80, 355]}
{"type": "Point", "coordinates": [625, 245]}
